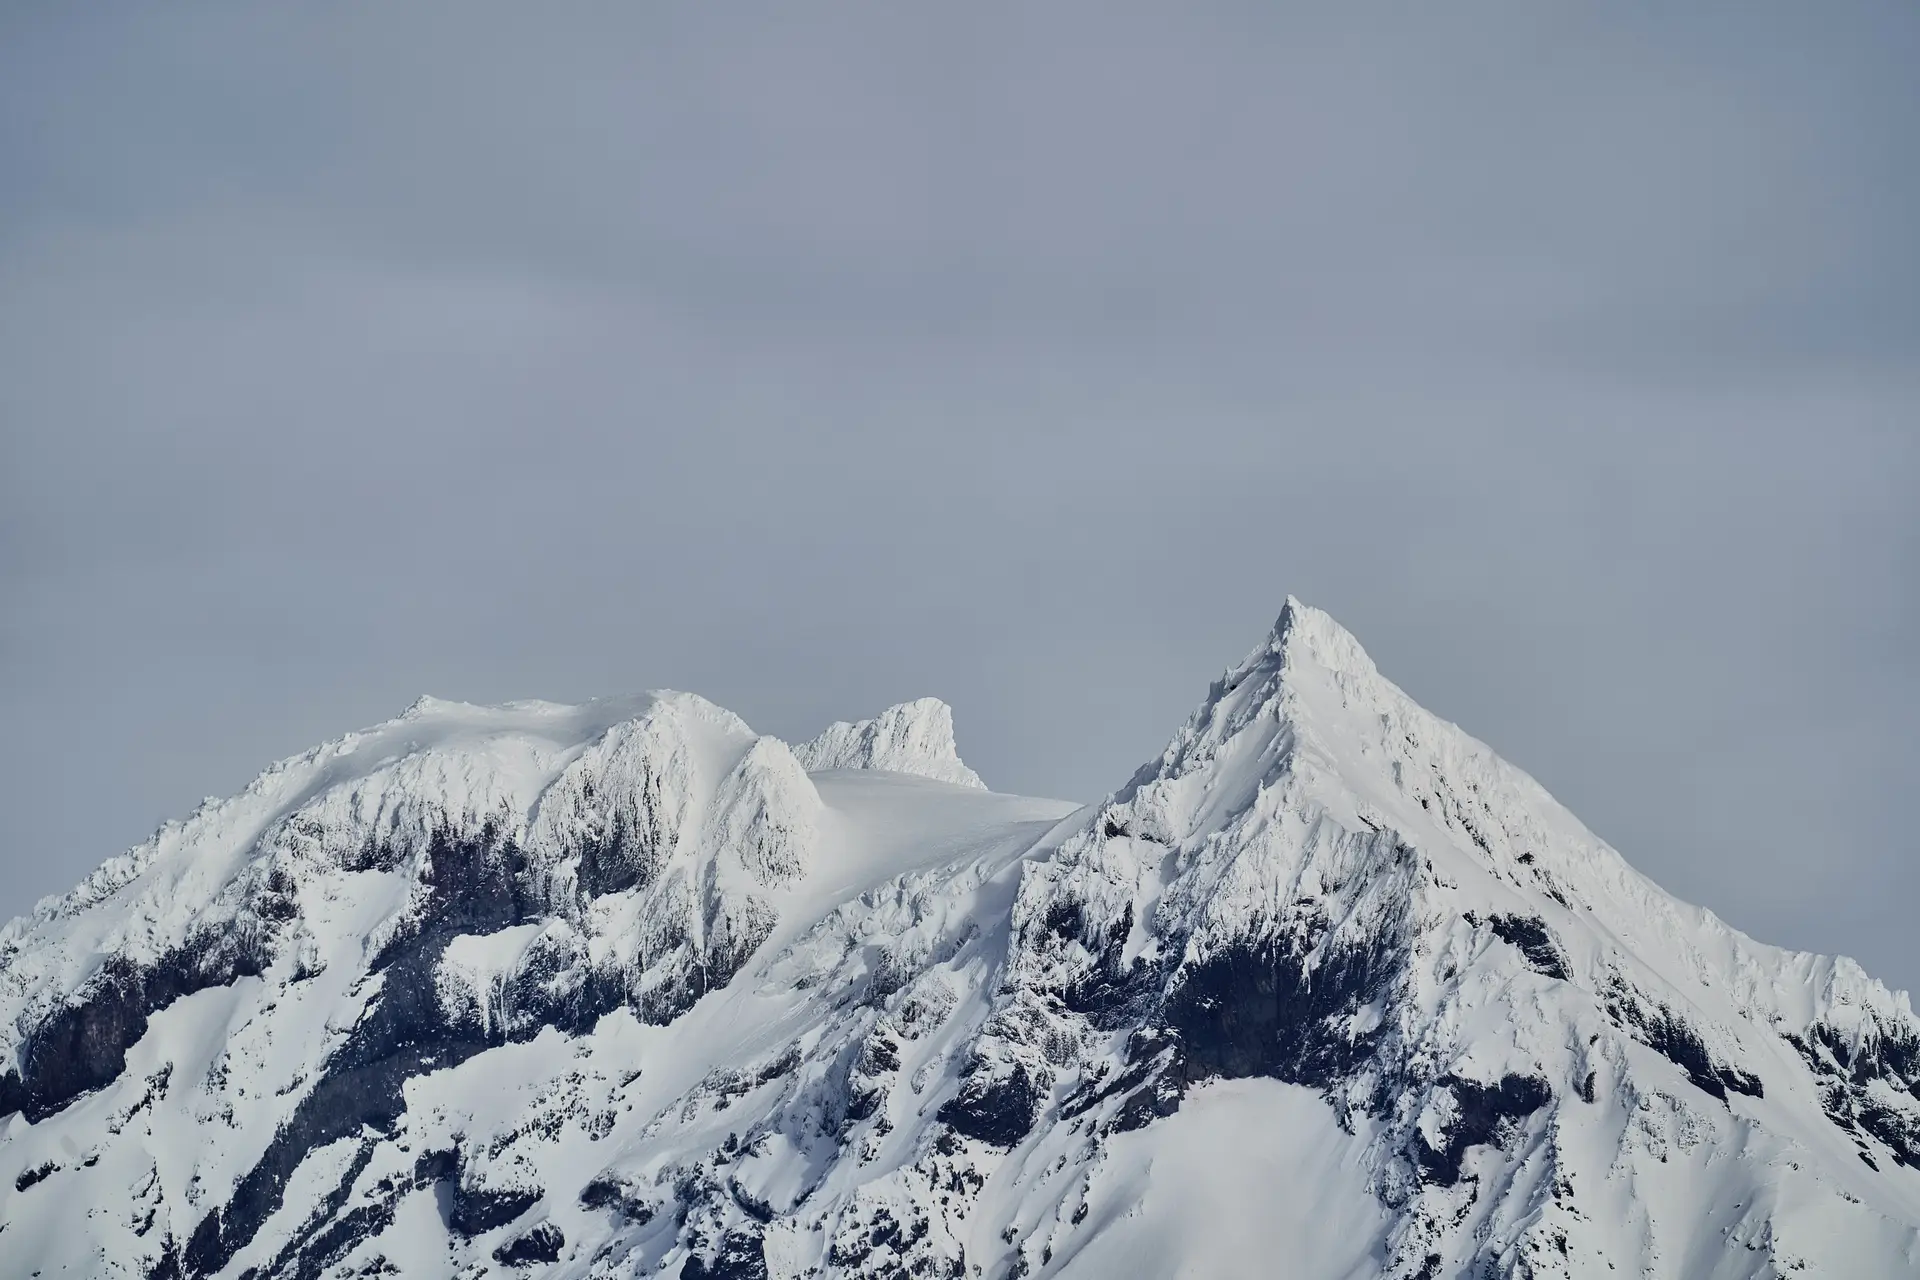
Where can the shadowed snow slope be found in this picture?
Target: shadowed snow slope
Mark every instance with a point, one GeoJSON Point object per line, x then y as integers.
{"type": "Point", "coordinates": [1325, 990]}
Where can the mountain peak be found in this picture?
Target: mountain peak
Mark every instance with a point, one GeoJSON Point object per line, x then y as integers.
{"type": "Point", "coordinates": [910, 737]}
{"type": "Point", "coordinates": [1262, 699]}
{"type": "Point", "coordinates": [1303, 634]}
{"type": "Point", "coordinates": [618, 987]}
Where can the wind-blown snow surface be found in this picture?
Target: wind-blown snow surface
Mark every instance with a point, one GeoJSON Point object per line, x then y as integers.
{"type": "Point", "coordinates": [1326, 990]}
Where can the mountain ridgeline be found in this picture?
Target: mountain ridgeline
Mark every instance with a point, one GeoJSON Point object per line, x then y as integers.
{"type": "Point", "coordinates": [625, 989]}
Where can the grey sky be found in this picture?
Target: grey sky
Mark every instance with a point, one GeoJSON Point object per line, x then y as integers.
{"type": "Point", "coordinates": [1023, 355]}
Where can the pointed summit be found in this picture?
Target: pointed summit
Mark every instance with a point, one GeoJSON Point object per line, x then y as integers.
{"type": "Point", "coordinates": [1303, 634]}
{"type": "Point", "coordinates": [1307, 661]}
{"type": "Point", "coordinates": [390, 1000]}
{"type": "Point", "coordinates": [913, 737]}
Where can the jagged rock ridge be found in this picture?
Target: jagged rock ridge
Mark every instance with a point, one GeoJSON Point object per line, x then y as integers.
{"type": "Point", "coordinates": [625, 989]}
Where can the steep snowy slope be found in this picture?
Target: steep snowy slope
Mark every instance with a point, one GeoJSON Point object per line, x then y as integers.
{"type": "Point", "coordinates": [1326, 990]}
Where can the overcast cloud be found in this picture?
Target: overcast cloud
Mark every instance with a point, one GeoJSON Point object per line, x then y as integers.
{"type": "Point", "coordinates": [813, 358]}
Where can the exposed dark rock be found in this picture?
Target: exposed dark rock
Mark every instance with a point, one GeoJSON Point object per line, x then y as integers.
{"type": "Point", "coordinates": [361, 1087]}
{"type": "Point", "coordinates": [864, 1087]}
{"type": "Point", "coordinates": [1064, 919]}
{"type": "Point", "coordinates": [1267, 1009]}
{"type": "Point", "coordinates": [861, 1102]}
{"type": "Point", "coordinates": [628, 852]}
{"type": "Point", "coordinates": [685, 986]}
{"type": "Point", "coordinates": [1899, 1132]}
{"type": "Point", "coordinates": [1535, 941]}
{"type": "Point", "coordinates": [879, 1054]}
{"type": "Point", "coordinates": [1152, 1083]}
{"type": "Point", "coordinates": [1484, 1113]}
{"type": "Point", "coordinates": [876, 1243]}
{"type": "Point", "coordinates": [753, 1206]}
{"type": "Point", "coordinates": [82, 1046]}
{"type": "Point", "coordinates": [1846, 1074]}
{"type": "Point", "coordinates": [477, 886]}
{"type": "Point", "coordinates": [608, 1192]}
{"type": "Point", "coordinates": [994, 1106]}
{"type": "Point", "coordinates": [539, 1244]}
{"type": "Point", "coordinates": [402, 1035]}
{"type": "Point", "coordinates": [327, 1234]}
{"type": "Point", "coordinates": [436, 1166]}
{"type": "Point", "coordinates": [475, 1211]}
{"type": "Point", "coordinates": [339, 1236]}
{"type": "Point", "coordinates": [1669, 1035]}
{"type": "Point", "coordinates": [167, 1265]}
{"type": "Point", "coordinates": [1680, 1044]}
{"type": "Point", "coordinates": [1113, 993]}
{"type": "Point", "coordinates": [471, 886]}
{"type": "Point", "coordinates": [1277, 1007]}
{"type": "Point", "coordinates": [741, 1256]}
{"type": "Point", "coordinates": [1155, 1100]}
{"type": "Point", "coordinates": [35, 1176]}
{"type": "Point", "coordinates": [1889, 1054]}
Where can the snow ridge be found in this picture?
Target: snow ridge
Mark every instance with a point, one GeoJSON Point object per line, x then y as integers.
{"type": "Point", "coordinates": [626, 989]}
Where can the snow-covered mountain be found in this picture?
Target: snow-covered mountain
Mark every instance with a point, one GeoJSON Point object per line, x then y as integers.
{"type": "Point", "coordinates": [1326, 990]}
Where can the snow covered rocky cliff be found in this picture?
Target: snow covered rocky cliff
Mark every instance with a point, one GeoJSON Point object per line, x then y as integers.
{"type": "Point", "coordinates": [1326, 990]}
